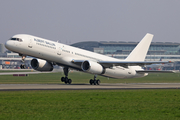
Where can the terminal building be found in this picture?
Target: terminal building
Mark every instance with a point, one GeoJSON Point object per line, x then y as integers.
{"type": "Point", "coordinates": [157, 50]}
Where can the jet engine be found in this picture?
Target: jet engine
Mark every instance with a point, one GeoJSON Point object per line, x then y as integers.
{"type": "Point", "coordinates": [41, 65]}
{"type": "Point", "coordinates": [92, 67]}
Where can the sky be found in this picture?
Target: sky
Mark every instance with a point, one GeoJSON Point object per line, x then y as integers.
{"type": "Point", "coordinates": [71, 21]}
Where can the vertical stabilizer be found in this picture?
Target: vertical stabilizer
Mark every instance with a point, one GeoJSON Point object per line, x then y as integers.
{"type": "Point", "coordinates": [140, 51]}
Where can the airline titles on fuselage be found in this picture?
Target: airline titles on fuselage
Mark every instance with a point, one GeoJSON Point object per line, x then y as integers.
{"type": "Point", "coordinates": [52, 45]}
{"type": "Point", "coordinates": [45, 43]}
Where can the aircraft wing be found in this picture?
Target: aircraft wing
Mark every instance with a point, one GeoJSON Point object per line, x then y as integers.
{"type": "Point", "coordinates": [130, 63]}
{"type": "Point", "coordinates": [156, 71]}
{"type": "Point", "coordinates": [108, 64]}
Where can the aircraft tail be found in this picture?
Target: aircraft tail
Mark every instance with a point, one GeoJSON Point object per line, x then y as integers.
{"type": "Point", "coordinates": [140, 51]}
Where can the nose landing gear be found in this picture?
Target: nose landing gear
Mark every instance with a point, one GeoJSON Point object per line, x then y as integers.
{"type": "Point", "coordinates": [23, 66]}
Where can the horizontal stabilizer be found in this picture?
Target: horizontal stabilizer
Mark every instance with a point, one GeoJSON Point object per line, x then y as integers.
{"type": "Point", "coordinates": [156, 71]}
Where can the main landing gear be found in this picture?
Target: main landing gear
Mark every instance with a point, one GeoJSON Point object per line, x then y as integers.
{"type": "Point", "coordinates": [65, 79]}
{"type": "Point", "coordinates": [23, 66]}
{"type": "Point", "coordinates": [94, 81]}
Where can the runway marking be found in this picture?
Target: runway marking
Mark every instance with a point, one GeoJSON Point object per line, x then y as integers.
{"type": "Point", "coordinates": [11, 73]}
{"type": "Point", "coordinates": [103, 86]}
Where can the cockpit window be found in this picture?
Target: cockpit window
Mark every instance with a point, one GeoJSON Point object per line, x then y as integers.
{"type": "Point", "coordinates": [13, 38]}
{"type": "Point", "coordinates": [16, 39]}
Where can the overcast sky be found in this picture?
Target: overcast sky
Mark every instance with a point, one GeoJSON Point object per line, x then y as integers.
{"type": "Point", "coordinates": [71, 21]}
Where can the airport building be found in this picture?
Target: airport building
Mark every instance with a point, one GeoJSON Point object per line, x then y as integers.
{"type": "Point", "coordinates": [157, 50]}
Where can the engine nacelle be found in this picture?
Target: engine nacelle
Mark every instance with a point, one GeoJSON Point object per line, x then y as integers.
{"type": "Point", "coordinates": [41, 65]}
{"type": "Point", "coordinates": [92, 67]}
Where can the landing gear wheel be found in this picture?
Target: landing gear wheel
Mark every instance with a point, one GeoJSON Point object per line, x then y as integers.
{"type": "Point", "coordinates": [98, 82]}
{"type": "Point", "coordinates": [62, 79]}
{"type": "Point", "coordinates": [22, 66]}
{"type": "Point", "coordinates": [69, 81]}
{"type": "Point", "coordinates": [65, 79]}
{"type": "Point", "coordinates": [94, 82]}
{"type": "Point", "coordinates": [91, 82]}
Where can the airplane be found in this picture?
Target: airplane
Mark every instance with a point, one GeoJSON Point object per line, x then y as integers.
{"type": "Point", "coordinates": [48, 53]}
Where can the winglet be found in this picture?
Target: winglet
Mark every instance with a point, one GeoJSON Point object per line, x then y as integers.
{"type": "Point", "coordinates": [140, 51]}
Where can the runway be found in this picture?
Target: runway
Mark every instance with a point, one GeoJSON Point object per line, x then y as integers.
{"type": "Point", "coordinates": [103, 86]}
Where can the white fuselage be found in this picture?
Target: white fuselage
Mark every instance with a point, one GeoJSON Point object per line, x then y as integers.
{"type": "Point", "coordinates": [63, 55]}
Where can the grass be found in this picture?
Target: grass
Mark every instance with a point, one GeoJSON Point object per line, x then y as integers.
{"type": "Point", "coordinates": [90, 104]}
{"type": "Point", "coordinates": [79, 77]}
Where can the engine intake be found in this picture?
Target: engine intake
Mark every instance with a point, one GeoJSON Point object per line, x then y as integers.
{"type": "Point", "coordinates": [41, 65]}
{"type": "Point", "coordinates": [92, 67]}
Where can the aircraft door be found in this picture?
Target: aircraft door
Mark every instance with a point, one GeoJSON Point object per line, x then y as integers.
{"type": "Point", "coordinates": [30, 43]}
{"type": "Point", "coordinates": [59, 51]}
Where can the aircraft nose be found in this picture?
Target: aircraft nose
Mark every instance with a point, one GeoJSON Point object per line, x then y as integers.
{"type": "Point", "coordinates": [8, 44]}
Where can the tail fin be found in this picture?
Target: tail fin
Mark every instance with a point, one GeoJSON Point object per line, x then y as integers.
{"type": "Point", "coordinates": [140, 51]}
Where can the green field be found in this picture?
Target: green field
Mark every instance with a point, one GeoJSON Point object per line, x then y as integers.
{"type": "Point", "coordinates": [79, 77]}
{"type": "Point", "coordinates": [90, 104]}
